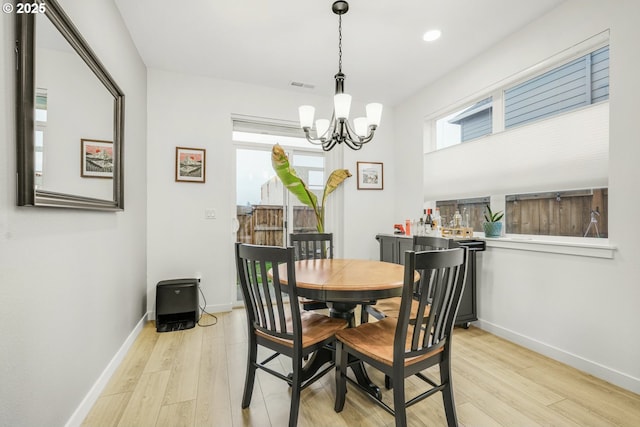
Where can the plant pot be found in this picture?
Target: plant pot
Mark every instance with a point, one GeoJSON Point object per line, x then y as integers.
{"type": "Point", "coordinates": [492, 229]}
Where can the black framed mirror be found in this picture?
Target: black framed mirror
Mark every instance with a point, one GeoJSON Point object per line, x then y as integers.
{"type": "Point", "coordinates": [70, 117]}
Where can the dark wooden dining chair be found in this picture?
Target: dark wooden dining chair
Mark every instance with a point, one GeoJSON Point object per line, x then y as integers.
{"type": "Point", "coordinates": [404, 346]}
{"type": "Point", "coordinates": [389, 307]}
{"type": "Point", "coordinates": [277, 325]}
{"type": "Point", "coordinates": [312, 246]}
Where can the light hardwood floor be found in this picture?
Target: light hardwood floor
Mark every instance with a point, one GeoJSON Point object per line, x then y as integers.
{"type": "Point", "coordinates": [195, 378]}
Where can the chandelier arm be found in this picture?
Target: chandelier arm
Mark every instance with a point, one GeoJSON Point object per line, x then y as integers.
{"type": "Point", "coordinates": [351, 135]}
{"type": "Point", "coordinates": [329, 144]}
{"type": "Point", "coordinates": [311, 139]}
{"type": "Point", "coordinates": [353, 146]}
{"type": "Point", "coordinates": [357, 139]}
{"type": "Point", "coordinates": [369, 137]}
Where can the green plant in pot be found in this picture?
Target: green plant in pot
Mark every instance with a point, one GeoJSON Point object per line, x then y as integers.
{"type": "Point", "coordinates": [492, 225]}
{"type": "Point", "coordinates": [298, 187]}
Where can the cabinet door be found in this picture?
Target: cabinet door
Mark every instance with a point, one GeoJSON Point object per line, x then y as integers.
{"type": "Point", "coordinates": [387, 248]}
{"type": "Point", "coordinates": [404, 244]}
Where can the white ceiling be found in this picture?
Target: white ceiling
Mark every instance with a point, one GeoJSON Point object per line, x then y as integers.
{"type": "Point", "coordinates": [275, 42]}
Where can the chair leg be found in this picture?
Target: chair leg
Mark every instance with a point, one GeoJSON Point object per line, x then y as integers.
{"type": "Point", "coordinates": [296, 385]}
{"type": "Point", "coordinates": [447, 393]}
{"type": "Point", "coordinates": [364, 314]}
{"type": "Point", "coordinates": [388, 383]}
{"type": "Point", "coordinates": [375, 313]}
{"type": "Point", "coordinates": [341, 380]}
{"type": "Point", "coordinates": [250, 377]}
{"type": "Point", "coordinates": [400, 411]}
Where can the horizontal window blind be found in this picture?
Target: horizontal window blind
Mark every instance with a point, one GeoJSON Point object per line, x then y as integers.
{"type": "Point", "coordinates": [265, 126]}
{"type": "Point", "coordinates": [568, 151]}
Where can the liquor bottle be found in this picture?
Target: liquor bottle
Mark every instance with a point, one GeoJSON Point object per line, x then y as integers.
{"type": "Point", "coordinates": [457, 219]}
{"type": "Point", "coordinates": [435, 223]}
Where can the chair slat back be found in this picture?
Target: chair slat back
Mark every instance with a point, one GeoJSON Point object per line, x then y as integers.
{"type": "Point", "coordinates": [437, 294]}
{"type": "Point", "coordinates": [267, 299]}
{"type": "Point", "coordinates": [430, 243]}
{"type": "Point", "coordinates": [312, 245]}
{"type": "Point", "coordinates": [427, 243]}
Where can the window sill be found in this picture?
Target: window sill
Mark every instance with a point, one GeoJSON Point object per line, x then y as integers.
{"type": "Point", "coordinates": [595, 248]}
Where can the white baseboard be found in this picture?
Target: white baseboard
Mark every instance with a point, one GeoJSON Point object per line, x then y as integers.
{"type": "Point", "coordinates": [597, 370]}
{"type": "Point", "coordinates": [90, 399]}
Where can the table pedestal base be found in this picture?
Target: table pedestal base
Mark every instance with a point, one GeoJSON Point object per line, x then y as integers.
{"type": "Point", "coordinates": [319, 358]}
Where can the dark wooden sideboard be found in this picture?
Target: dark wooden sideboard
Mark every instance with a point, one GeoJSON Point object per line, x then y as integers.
{"type": "Point", "coordinates": [392, 248]}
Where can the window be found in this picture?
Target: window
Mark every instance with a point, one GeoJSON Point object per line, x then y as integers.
{"type": "Point", "coordinates": [578, 83]}
{"type": "Point", "coordinates": [266, 212]}
{"type": "Point", "coordinates": [549, 130]}
{"type": "Point", "coordinates": [579, 213]}
{"type": "Point", "coordinates": [468, 123]}
{"type": "Point", "coordinates": [40, 126]}
{"type": "Point", "coordinates": [472, 211]}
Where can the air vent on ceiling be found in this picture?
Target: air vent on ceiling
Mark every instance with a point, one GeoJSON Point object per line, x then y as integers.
{"type": "Point", "coordinates": [304, 85]}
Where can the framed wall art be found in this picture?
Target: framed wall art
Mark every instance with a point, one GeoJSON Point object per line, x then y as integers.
{"type": "Point", "coordinates": [96, 158]}
{"type": "Point", "coordinates": [370, 176]}
{"type": "Point", "coordinates": [190, 164]}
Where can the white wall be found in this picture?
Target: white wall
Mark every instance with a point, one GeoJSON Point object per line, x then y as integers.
{"type": "Point", "coordinates": [580, 310]}
{"type": "Point", "coordinates": [72, 283]}
{"type": "Point", "coordinates": [191, 111]}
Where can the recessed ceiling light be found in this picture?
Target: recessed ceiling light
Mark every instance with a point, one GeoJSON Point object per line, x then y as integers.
{"type": "Point", "coordinates": [431, 35]}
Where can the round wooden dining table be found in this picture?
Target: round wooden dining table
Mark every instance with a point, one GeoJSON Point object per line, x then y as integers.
{"type": "Point", "coordinates": [344, 284]}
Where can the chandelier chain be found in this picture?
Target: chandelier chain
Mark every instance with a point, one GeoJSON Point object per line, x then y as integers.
{"type": "Point", "coordinates": [340, 43]}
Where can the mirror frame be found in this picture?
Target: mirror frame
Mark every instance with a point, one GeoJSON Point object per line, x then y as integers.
{"type": "Point", "coordinates": [26, 193]}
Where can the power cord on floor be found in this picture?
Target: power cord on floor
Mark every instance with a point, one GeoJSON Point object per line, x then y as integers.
{"type": "Point", "coordinates": [203, 311]}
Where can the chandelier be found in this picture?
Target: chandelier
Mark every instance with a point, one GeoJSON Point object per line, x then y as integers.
{"type": "Point", "coordinates": [338, 129]}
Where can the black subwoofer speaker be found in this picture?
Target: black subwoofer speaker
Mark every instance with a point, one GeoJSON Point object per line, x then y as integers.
{"type": "Point", "coordinates": [176, 304]}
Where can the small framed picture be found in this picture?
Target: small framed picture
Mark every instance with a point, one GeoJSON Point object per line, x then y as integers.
{"type": "Point", "coordinates": [370, 176]}
{"type": "Point", "coordinates": [96, 158]}
{"type": "Point", "coordinates": [190, 164]}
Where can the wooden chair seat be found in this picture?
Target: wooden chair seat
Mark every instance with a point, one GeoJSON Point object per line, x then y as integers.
{"type": "Point", "coordinates": [390, 307]}
{"type": "Point", "coordinates": [315, 328]}
{"type": "Point", "coordinates": [380, 349]}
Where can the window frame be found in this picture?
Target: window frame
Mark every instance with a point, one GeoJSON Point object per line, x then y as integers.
{"type": "Point", "coordinates": [497, 92]}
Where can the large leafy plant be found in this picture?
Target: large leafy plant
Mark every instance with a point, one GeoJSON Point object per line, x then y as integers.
{"type": "Point", "coordinates": [298, 187]}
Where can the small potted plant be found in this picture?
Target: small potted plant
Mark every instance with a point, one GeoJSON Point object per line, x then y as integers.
{"type": "Point", "coordinates": [492, 225]}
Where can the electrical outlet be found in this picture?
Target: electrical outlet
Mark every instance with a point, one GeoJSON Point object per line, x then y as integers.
{"type": "Point", "coordinates": [210, 213]}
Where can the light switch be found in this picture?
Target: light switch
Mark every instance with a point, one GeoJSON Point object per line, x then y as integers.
{"type": "Point", "coordinates": [210, 213]}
